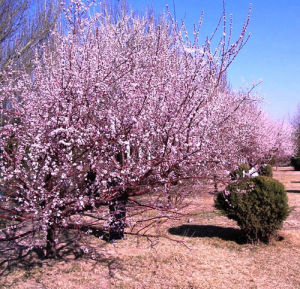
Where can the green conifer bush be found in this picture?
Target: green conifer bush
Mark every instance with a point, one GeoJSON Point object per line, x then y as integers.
{"type": "Point", "coordinates": [238, 173]}
{"type": "Point", "coordinates": [259, 205]}
{"type": "Point", "coordinates": [266, 170]}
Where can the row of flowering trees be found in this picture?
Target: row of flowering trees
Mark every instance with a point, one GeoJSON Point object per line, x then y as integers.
{"type": "Point", "coordinates": [120, 109]}
{"type": "Point", "coordinates": [295, 161]}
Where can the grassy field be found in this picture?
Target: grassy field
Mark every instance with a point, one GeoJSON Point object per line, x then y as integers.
{"type": "Point", "coordinates": [213, 255]}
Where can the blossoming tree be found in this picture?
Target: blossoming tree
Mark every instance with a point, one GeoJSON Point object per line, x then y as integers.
{"type": "Point", "coordinates": [118, 110]}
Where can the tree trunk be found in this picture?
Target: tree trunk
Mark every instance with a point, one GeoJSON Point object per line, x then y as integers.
{"type": "Point", "coordinates": [215, 185]}
{"type": "Point", "coordinates": [117, 209]}
{"type": "Point", "coordinates": [50, 245]}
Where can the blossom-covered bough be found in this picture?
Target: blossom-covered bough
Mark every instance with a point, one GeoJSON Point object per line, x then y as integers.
{"type": "Point", "coordinates": [113, 118]}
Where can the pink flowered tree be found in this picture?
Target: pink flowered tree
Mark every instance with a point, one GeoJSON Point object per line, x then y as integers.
{"type": "Point", "coordinates": [119, 110]}
{"type": "Point", "coordinates": [267, 140]}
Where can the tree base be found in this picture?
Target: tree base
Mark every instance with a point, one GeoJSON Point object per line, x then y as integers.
{"type": "Point", "coordinates": [117, 225]}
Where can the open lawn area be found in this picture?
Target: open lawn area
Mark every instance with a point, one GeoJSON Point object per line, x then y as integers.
{"type": "Point", "coordinates": [213, 255]}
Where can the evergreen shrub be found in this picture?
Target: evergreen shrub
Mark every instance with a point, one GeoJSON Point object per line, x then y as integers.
{"type": "Point", "coordinates": [238, 173]}
{"type": "Point", "coordinates": [295, 162]}
{"type": "Point", "coordinates": [265, 170]}
{"type": "Point", "coordinates": [259, 205]}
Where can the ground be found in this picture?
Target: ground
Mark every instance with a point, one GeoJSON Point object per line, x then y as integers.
{"type": "Point", "coordinates": [211, 256]}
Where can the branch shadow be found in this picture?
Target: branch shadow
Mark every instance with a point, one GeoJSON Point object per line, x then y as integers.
{"type": "Point", "coordinates": [18, 256]}
{"type": "Point", "coordinates": [209, 231]}
{"type": "Point", "coordinates": [15, 255]}
{"type": "Point", "coordinates": [293, 191]}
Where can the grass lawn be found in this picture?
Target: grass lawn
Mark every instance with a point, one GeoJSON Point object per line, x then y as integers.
{"type": "Point", "coordinates": [213, 255]}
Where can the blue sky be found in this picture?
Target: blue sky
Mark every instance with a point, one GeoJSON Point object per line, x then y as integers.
{"type": "Point", "coordinates": [272, 53]}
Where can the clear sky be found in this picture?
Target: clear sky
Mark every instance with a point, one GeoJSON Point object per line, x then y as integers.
{"type": "Point", "coordinates": [272, 53]}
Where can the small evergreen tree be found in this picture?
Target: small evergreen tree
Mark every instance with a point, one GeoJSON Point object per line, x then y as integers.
{"type": "Point", "coordinates": [266, 170]}
{"type": "Point", "coordinates": [259, 206]}
{"type": "Point", "coordinates": [238, 173]}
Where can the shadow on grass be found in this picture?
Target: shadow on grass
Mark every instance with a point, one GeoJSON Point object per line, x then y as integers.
{"type": "Point", "coordinates": [15, 255]}
{"type": "Point", "coordinates": [209, 231]}
{"type": "Point", "coordinates": [293, 191]}
{"type": "Point", "coordinates": [18, 256]}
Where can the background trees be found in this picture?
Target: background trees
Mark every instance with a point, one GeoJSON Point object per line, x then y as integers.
{"type": "Point", "coordinates": [23, 25]}
{"type": "Point", "coordinates": [296, 124]}
{"type": "Point", "coordinates": [120, 109]}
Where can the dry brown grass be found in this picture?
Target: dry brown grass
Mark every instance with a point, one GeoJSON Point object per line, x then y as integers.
{"type": "Point", "coordinates": [213, 256]}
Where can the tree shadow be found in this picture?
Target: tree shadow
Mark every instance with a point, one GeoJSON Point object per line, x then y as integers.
{"type": "Point", "coordinates": [18, 256]}
{"type": "Point", "coordinates": [293, 191]}
{"type": "Point", "coordinates": [209, 231]}
{"type": "Point", "coordinates": [15, 255]}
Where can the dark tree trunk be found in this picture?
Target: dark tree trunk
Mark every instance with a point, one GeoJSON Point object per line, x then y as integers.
{"type": "Point", "coordinates": [50, 245]}
{"type": "Point", "coordinates": [216, 184]}
{"type": "Point", "coordinates": [117, 209]}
